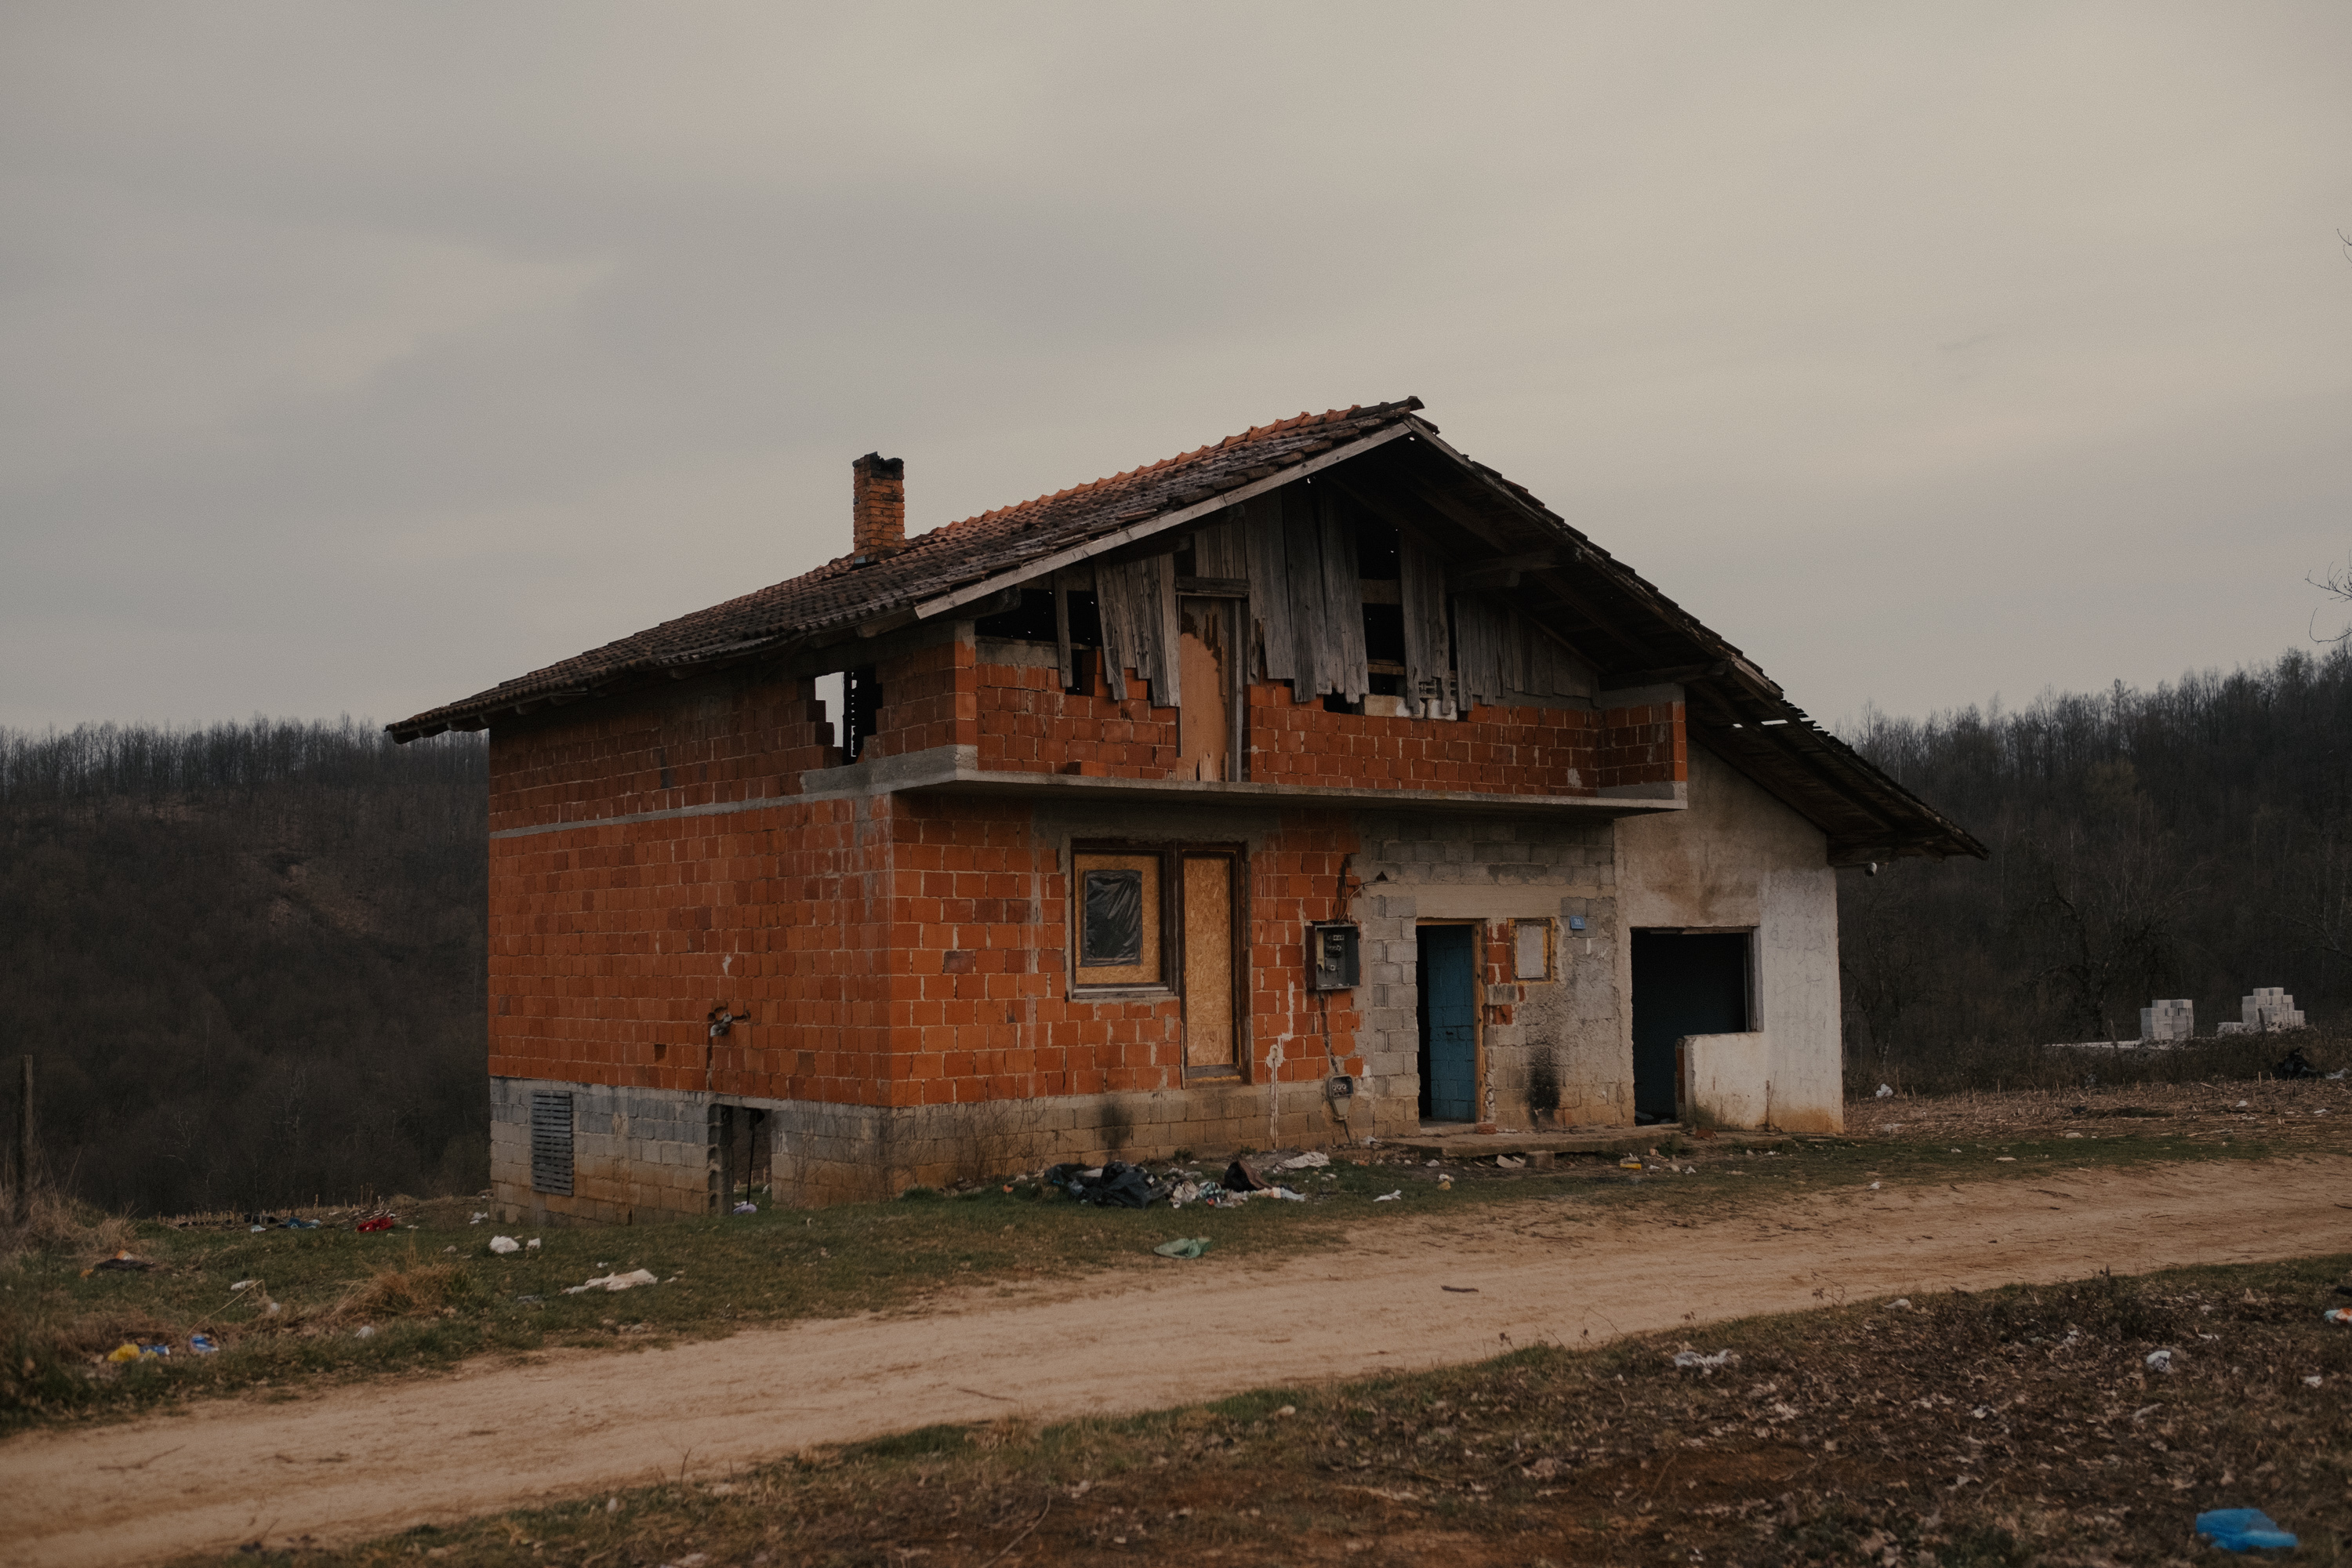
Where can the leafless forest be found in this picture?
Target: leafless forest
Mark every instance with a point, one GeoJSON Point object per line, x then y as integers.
{"type": "Point", "coordinates": [249, 959]}
{"type": "Point", "coordinates": [2193, 841]}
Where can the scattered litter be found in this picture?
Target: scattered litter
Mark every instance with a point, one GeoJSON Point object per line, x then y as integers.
{"type": "Point", "coordinates": [1706, 1363]}
{"type": "Point", "coordinates": [1885, 1091]}
{"type": "Point", "coordinates": [244, 1284]}
{"type": "Point", "coordinates": [532, 1245]}
{"type": "Point", "coordinates": [1509, 1163]}
{"type": "Point", "coordinates": [2338, 1315]}
{"type": "Point", "coordinates": [292, 1223]}
{"type": "Point", "coordinates": [1629, 1162]}
{"type": "Point", "coordinates": [1287, 1410]}
{"type": "Point", "coordinates": [203, 1344]}
{"type": "Point", "coordinates": [746, 1207]}
{"type": "Point", "coordinates": [1874, 1186]}
{"type": "Point", "coordinates": [258, 1230]}
{"type": "Point", "coordinates": [380, 1221]}
{"type": "Point", "coordinates": [2159, 1361]}
{"type": "Point", "coordinates": [1184, 1246]}
{"type": "Point", "coordinates": [1390, 1197]}
{"type": "Point", "coordinates": [1460, 1289]}
{"type": "Point", "coordinates": [630, 1280]}
{"type": "Point", "coordinates": [1116, 1186]}
{"type": "Point", "coordinates": [612, 1505]}
{"type": "Point", "coordinates": [271, 1309]}
{"type": "Point", "coordinates": [1240, 1178]}
{"type": "Point", "coordinates": [2241, 1105]}
{"type": "Point", "coordinates": [1284, 1192]}
{"type": "Point", "coordinates": [1445, 1183]}
{"type": "Point", "coordinates": [2314, 1381]}
{"type": "Point", "coordinates": [2244, 1529]}
{"type": "Point", "coordinates": [448, 1250]}
{"type": "Point", "coordinates": [1312, 1159]}
{"type": "Point", "coordinates": [121, 1262]}
{"type": "Point", "coordinates": [364, 1332]}
{"type": "Point", "coordinates": [1900, 1301]}
{"type": "Point", "coordinates": [529, 1301]}
{"type": "Point", "coordinates": [125, 1351]}
{"type": "Point", "coordinates": [480, 1217]}
{"type": "Point", "coordinates": [503, 1245]}
{"type": "Point", "coordinates": [2005, 1159]}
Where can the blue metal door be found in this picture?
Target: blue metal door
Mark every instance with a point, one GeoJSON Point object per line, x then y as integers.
{"type": "Point", "coordinates": [1449, 1021]}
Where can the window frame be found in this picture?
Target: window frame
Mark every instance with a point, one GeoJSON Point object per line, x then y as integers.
{"type": "Point", "coordinates": [1172, 854]}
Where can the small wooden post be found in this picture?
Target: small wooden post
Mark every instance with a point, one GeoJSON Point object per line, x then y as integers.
{"type": "Point", "coordinates": [24, 1147]}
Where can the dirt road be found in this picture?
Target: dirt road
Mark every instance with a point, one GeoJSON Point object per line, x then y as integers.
{"type": "Point", "coordinates": [364, 1461]}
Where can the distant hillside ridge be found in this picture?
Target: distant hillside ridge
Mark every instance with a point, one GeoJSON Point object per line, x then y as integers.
{"type": "Point", "coordinates": [249, 959]}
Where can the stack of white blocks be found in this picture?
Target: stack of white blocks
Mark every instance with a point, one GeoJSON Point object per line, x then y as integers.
{"type": "Point", "coordinates": [2162, 1022]}
{"type": "Point", "coordinates": [2269, 1009]}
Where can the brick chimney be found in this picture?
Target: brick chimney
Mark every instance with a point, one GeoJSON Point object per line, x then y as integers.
{"type": "Point", "coordinates": [878, 506]}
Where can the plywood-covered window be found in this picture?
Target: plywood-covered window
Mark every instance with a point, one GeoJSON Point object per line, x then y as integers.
{"type": "Point", "coordinates": [1168, 919]}
{"type": "Point", "coordinates": [1118, 899]}
{"type": "Point", "coordinates": [1209, 968]}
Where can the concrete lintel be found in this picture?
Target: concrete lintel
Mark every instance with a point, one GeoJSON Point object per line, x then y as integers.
{"type": "Point", "coordinates": [951, 770]}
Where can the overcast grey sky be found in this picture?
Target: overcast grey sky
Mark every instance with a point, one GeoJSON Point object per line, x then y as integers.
{"type": "Point", "coordinates": [355, 358]}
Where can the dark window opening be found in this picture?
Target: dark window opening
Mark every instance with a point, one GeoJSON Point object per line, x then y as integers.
{"type": "Point", "coordinates": [1377, 554]}
{"type": "Point", "coordinates": [1082, 671]}
{"type": "Point", "coordinates": [1333, 702]}
{"type": "Point", "coordinates": [1684, 983]}
{"type": "Point", "coordinates": [1031, 621]}
{"type": "Point", "coordinates": [1384, 634]}
{"type": "Point", "coordinates": [1112, 929]}
{"type": "Point", "coordinates": [861, 709]}
{"type": "Point", "coordinates": [1387, 684]}
{"type": "Point", "coordinates": [550, 1144]}
{"type": "Point", "coordinates": [1086, 619]}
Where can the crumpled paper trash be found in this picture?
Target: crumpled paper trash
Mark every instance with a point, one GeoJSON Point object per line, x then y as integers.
{"type": "Point", "coordinates": [503, 1245]}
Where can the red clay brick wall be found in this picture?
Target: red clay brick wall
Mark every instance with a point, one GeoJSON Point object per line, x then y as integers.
{"type": "Point", "coordinates": [610, 943]}
{"type": "Point", "coordinates": [1028, 724]}
{"type": "Point", "coordinates": [928, 698]}
{"type": "Point", "coordinates": [1644, 745]}
{"type": "Point", "coordinates": [1295, 877]}
{"type": "Point", "coordinates": [981, 911]}
{"type": "Point", "coordinates": [718, 739]}
{"type": "Point", "coordinates": [1495, 750]}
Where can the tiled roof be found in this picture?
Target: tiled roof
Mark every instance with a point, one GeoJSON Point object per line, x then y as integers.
{"type": "Point", "coordinates": [842, 594]}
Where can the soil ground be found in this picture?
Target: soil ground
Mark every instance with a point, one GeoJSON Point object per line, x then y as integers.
{"type": "Point", "coordinates": [360, 1462]}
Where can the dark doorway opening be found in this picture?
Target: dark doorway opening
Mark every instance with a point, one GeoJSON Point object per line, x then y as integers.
{"type": "Point", "coordinates": [741, 1167]}
{"type": "Point", "coordinates": [1448, 1015]}
{"type": "Point", "coordinates": [1684, 983]}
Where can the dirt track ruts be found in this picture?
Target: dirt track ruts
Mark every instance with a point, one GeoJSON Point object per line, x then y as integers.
{"type": "Point", "coordinates": [369, 1459]}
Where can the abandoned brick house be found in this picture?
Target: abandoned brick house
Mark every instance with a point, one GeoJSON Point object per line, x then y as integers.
{"type": "Point", "coordinates": [1316, 784]}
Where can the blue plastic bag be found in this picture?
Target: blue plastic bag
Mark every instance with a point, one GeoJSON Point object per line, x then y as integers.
{"type": "Point", "coordinates": [2244, 1529]}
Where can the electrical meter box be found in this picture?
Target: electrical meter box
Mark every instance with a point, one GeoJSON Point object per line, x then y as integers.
{"type": "Point", "coordinates": [1331, 961]}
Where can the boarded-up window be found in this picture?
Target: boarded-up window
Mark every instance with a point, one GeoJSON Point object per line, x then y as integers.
{"type": "Point", "coordinates": [550, 1144]}
{"type": "Point", "coordinates": [1532, 949]}
{"type": "Point", "coordinates": [1208, 961]}
{"type": "Point", "coordinates": [1204, 726]}
{"type": "Point", "coordinates": [1118, 919]}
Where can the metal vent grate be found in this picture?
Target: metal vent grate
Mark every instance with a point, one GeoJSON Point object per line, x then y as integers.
{"type": "Point", "coordinates": [550, 1144]}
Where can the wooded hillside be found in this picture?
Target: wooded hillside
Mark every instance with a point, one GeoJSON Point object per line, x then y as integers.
{"type": "Point", "coordinates": [2191, 841]}
{"type": "Point", "coordinates": [248, 960]}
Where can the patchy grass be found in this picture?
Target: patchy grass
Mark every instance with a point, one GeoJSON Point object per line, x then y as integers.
{"type": "Point", "coordinates": [2010, 1427]}
{"type": "Point", "coordinates": [432, 1293]}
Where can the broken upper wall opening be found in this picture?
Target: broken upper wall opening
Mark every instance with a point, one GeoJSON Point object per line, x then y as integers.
{"type": "Point", "coordinates": [1348, 601]}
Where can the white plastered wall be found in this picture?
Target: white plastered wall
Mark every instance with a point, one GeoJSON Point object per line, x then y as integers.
{"type": "Point", "coordinates": [1739, 859]}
